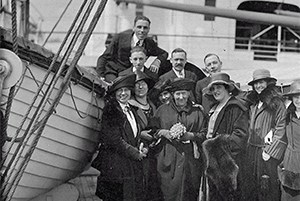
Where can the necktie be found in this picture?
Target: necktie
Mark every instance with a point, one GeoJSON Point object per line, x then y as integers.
{"type": "Point", "coordinates": [127, 110]}
{"type": "Point", "coordinates": [181, 74]}
{"type": "Point", "coordinates": [138, 43]}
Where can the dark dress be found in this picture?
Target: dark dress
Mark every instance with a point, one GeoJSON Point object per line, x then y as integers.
{"type": "Point", "coordinates": [121, 176]}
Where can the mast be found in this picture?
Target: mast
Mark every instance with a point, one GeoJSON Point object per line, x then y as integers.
{"type": "Point", "coordinates": [248, 16]}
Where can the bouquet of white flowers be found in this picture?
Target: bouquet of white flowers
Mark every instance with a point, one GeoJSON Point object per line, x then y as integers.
{"type": "Point", "coordinates": [177, 130]}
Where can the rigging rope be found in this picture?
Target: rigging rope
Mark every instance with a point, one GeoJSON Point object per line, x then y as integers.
{"type": "Point", "coordinates": [60, 17]}
{"type": "Point", "coordinates": [63, 87]}
{"type": "Point", "coordinates": [8, 168]}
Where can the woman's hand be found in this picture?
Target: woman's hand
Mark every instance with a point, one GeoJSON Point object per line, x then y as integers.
{"type": "Point", "coordinates": [165, 133]}
{"type": "Point", "coordinates": [145, 135]}
{"type": "Point", "coordinates": [187, 136]}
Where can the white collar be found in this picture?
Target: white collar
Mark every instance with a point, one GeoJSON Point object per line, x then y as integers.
{"type": "Point", "coordinates": [134, 69]}
{"type": "Point", "coordinates": [177, 73]}
{"type": "Point", "coordinates": [135, 40]}
{"type": "Point", "coordinates": [123, 106]}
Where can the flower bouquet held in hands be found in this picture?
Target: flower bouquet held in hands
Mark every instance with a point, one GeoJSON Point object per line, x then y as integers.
{"type": "Point", "coordinates": [177, 130]}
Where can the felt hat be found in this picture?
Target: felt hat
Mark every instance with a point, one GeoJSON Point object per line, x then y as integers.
{"type": "Point", "coordinates": [142, 76]}
{"type": "Point", "coordinates": [261, 74]}
{"type": "Point", "coordinates": [122, 81]}
{"type": "Point", "coordinates": [220, 78]}
{"type": "Point", "coordinates": [15, 67]}
{"type": "Point", "coordinates": [294, 88]}
{"type": "Point", "coordinates": [182, 84]}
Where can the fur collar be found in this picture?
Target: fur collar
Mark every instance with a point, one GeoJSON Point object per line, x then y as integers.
{"type": "Point", "coordinates": [113, 113]}
{"type": "Point", "coordinates": [270, 96]}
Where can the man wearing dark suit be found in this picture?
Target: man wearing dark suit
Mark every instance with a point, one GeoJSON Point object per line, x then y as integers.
{"type": "Point", "coordinates": [116, 56]}
{"type": "Point", "coordinates": [178, 61]}
{"type": "Point", "coordinates": [137, 59]}
{"type": "Point", "coordinates": [213, 64]}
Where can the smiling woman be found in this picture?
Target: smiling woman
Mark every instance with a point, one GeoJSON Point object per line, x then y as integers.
{"type": "Point", "coordinates": [226, 137]}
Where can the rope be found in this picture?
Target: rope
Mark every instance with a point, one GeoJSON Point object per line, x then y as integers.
{"type": "Point", "coordinates": [21, 145]}
{"type": "Point", "coordinates": [60, 17]}
{"type": "Point", "coordinates": [37, 93]}
{"type": "Point", "coordinates": [63, 86]}
{"type": "Point", "coordinates": [75, 106]}
{"type": "Point", "coordinates": [43, 122]}
{"type": "Point", "coordinates": [12, 89]}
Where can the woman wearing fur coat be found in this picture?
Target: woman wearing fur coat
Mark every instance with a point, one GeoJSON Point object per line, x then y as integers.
{"type": "Point", "coordinates": [289, 169]}
{"type": "Point", "coordinates": [119, 159]}
{"type": "Point", "coordinates": [226, 138]}
{"type": "Point", "coordinates": [267, 141]}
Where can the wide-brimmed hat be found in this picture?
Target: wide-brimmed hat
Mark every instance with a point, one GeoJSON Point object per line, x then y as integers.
{"type": "Point", "coordinates": [182, 84]}
{"type": "Point", "coordinates": [15, 67]}
{"type": "Point", "coordinates": [294, 88]}
{"type": "Point", "coordinates": [220, 78]}
{"type": "Point", "coordinates": [142, 76]}
{"type": "Point", "coordinates": [261, 74]}
{"type": "Point", "coordinates": [122, 81]}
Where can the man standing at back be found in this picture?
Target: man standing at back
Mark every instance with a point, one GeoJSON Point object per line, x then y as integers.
{"type": "Point", "coordinates": [178, 61]}
{"type": "Point", "coordinates": [213, 64]}
{"type": "Point", "coordinates": [116, 57]}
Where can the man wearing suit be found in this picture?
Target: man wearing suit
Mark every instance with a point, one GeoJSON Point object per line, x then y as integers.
{"type": "Point", "coordinates": [213, 64]}
{"type": "Point", "coordinates": [137, 59]}
{"type": "Point", "coordinates": [178, 61]}
{"type": "Point", "coordinates": [116, 56]}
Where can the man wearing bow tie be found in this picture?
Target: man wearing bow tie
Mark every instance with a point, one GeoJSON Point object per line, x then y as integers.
{"type": "Point", "coordinates": [116, 57]}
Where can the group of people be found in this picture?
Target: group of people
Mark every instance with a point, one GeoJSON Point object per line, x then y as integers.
{"type": "Point", "coordinates": [176, 137]}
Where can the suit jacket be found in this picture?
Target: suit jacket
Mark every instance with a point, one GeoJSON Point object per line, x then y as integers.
{"type": "Point", "coordinates": [205, 101]}
{"type": "Point", "coordinates": [148, 72]}
{"type": "Point", "coordinates": [116, 56]}
{"type": "Point", "coordinates": [171, 76]}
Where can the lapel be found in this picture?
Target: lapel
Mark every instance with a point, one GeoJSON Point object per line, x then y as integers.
{"type": "Point", "coordinates": [255, 113]}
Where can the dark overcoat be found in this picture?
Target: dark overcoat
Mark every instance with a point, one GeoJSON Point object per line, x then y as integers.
{"type": "Point", "coordinates": [117, 159]}
{"type": "Point", "coordinates": [232, 124]}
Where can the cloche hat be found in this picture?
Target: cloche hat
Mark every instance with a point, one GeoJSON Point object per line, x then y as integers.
{"type": "Point", "coordinates": [260, 74]}
{"type": "Point", "coordinates": [220, 78]}
{"type": "Point", "coordinates": [142, 76]}
{"type": "Point", "coordinates": [294, 88]}
{"type": "Point", "coordinates": [182, 84]}
{"type": "Point", "coordinates": [122, 81]}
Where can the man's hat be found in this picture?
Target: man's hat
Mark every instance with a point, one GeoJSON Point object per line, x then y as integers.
{"type": "Point", "coordinates": [15, 66]}
{"type": "Point", "coordinates": [262, 74]}
{"type": "Point", "coordinates": [142, 76]}
{"type": "Point", "coordinates": [122, 81]}
{"type": "Point", "coordinates": [182, 84]}
{"type": "Point", "coordinates": [220, 78]}
{"type": "Point", "coordinates": [294, 88]}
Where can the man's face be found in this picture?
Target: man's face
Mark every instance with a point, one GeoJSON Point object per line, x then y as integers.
{"type": "Point", "coordinates": [141, 29]}
{"type": "Point", "coordinates": [181, 97]}
{"type": "Point", "coordinates": [212, 64]}
{"type": "Point", "coordinates": [178, 60]}
{"type": "Point", "coordinates": [123, 95]}
{"type": "Point", "coordinates": [138, 60]}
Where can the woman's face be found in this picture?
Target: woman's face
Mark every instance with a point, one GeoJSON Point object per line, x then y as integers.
{"type": "Point", "coordinates": [260, 85]}
{"type": "Point", "coordinates": [164, 97]}
{"type": "Point", "coordinates": [141, 88]}
{"type": "Point", "coordinates": [123, 95]}
{"type": "Point", "coordinates": [181, 97]}
{"type": "Point", "coordinates": [296, 101]}
{"type": "Point", "coordinates": [219, 92]}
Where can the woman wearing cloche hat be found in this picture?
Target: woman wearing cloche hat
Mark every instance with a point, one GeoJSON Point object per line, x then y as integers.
{"type": "Point", "coordinates": [267, 141]}
{"type": "Point", "coordinates": [289, 169]}
{"type": "Point", "coordinates": [119, 158]}
{"type": "Point", "coordinates": [178, 161]}
{"type": "Point", "coordinates": [226, 137]}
